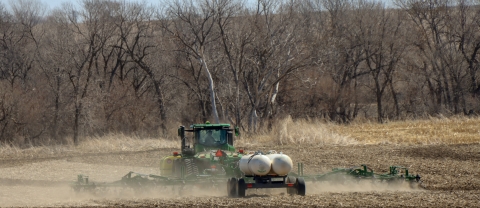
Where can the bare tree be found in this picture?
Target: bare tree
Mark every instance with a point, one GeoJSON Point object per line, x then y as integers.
{"type": "Point", "coordinates": [19, 41]}
{"type": "Point", "coordinates": [234, 37]}
{"type": "Point", "coordinates": [115, 66]}
{"type": "Point", "coordinates": [382, 37]}
{"type": "Point", "coordinates": [464, 28]}
{"type": "Point", "coordinates": [340, 57]}
{"type": "Point", "coordinates": [277, 51]}
{"type": "Point", "coordinates": [83, 49]}
{"type": "Point", "coordinates": [444, 28]}
{"type": "Point", "coordinates": [138, 35]}
{"type": "Point", "coordinates": [428, 20]}
{"type": "Point", "coordinates": [192, 24]}
{"type": "Point", "coordinates": [20, 47]}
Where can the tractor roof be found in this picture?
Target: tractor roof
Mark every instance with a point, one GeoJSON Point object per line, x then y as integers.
{"type": "Point", "coordinates": [208, 125]}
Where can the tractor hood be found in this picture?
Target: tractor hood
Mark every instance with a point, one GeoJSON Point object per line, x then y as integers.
{"type": "Point", "coordinates": [217, 154]}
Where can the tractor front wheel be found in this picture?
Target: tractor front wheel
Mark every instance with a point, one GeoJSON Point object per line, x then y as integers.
{"type": "Point", "coordinates": [232, 187]}
{"type": "Point", "coordinates": [241, 187]}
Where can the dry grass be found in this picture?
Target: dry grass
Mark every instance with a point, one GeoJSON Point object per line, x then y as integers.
{"type": "Point", "coordinates": [109, 143]}
{"type": "Point", "coordinates": [462, 130]}
{"type": "Point", "coordinates": [302, 131]}
{"type": "Point", "coordinates": [456, 130]}
{"type": "Point", "coordinates": [120, 142]}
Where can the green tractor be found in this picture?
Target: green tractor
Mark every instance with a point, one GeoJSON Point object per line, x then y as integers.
{"type": "Point", "coordinates": [208, 152]}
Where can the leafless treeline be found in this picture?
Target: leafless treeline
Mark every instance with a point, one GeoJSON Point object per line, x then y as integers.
{"type": "Point", "coordinates": [111, 66]}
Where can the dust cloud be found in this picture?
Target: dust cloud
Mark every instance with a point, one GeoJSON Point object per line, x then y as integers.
{"type": "Point", "coordinates": [361, 186]}
{"type": "Point", "coordinates": [21, 194]}
{"type": "Point", "coordinates": [13, 195]}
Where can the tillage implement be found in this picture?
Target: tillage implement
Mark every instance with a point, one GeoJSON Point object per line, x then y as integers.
{"type": "Point", "coordinates": [208, 159]}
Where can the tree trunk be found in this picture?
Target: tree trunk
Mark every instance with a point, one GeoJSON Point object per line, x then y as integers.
{"type": "Point", "coordinates": [379, 94]}
{"type": "Point", "coordinates": [237, 100]}
{"type": "Point", "coordinates": [76, 124]}
{"type": "Point", "coordinates": [212, 91]}
{"type": "Point", "coordinates": [395, 100]}
{"type": "Point", "coordinates": [271, 105]}
{"type": "Point", "coordinates": [161, 103]}
{"type": "Point", "coordinates": [57, 108]}
{"type": "Point", "coordinates": [252, 121]}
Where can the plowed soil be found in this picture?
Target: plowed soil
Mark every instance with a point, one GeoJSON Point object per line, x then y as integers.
{"type": "Point", "coordinates": [450, 175]}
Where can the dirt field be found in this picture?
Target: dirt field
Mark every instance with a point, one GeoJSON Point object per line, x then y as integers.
{"type": "Point", "coordinates": [450, 174]}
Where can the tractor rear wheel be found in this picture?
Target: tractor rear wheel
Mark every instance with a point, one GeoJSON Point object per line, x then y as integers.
{"type": "Point", "coordinates": [241, 187]}
{"type": "Point", "coordinates": [301, 187]}
{"type": "Point", "coordinates": [291, 190]}
{"type": "Point", "coordinates": [232, 187]}
{"type": "Point", "coordinates": [190, 167]}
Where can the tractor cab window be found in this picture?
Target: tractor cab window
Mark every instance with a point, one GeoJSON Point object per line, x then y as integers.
{"type": "Point", "coordinates": [212, 137]}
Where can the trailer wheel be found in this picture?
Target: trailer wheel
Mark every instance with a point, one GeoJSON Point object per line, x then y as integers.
{"type": "Point", "coordinates": [232, 187]}
{"type": "Point", "coordinates": [241, 187]}
{"type": "Point", "coordinates": [291, 190]}
{"type": "Point", "coordinates": [301, 187]}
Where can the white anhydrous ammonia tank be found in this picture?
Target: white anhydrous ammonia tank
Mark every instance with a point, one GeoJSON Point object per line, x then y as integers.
{"type": "Point", "coordinates": [243, 164]}
{"type": "Point", "coordinates": [257, 165]}
{"type": "Point", "coordinates": [281, 164]}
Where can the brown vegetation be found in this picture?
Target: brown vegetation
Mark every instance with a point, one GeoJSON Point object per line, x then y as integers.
{"type": "Point", "coordinates": [115, 67]}
{"type": "Point", "coordinates": [432, 131]}
{"type": "Point", "coordinates": [286, 132]}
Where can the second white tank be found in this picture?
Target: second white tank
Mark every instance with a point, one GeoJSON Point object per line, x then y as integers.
{"type": "Point", "coordinates": [281, 164]}
{"type": "Point", "coordinates": [257, 165]}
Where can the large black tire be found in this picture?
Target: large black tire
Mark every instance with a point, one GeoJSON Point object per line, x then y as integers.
{"type": "Point", "coordinates": [241, 187]}
{"type": "Point", "coordinates": [190, 167]}
{"type": "Point", "coordinates": [291, 190]}
{"type": "Point", "coordinates": [232, 187]}
{"type": "Point", "coordinates": [301, 187]}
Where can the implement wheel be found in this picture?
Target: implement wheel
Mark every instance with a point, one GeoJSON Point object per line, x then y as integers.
{"type": "Point", "coordinates": [301, 187]}
{"type": "Point", "coordinates": [232, 187]}
{"type": "Point", "coordinates": [291, 190]}
{"type": "Point", "coordinates": [241, 187]}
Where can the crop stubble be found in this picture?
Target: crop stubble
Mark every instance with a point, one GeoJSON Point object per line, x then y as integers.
{"type": "Point", "coordinates": [450, 175]}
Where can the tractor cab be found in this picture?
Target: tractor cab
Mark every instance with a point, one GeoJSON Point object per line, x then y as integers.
{"type": "Point", "coordinates": [206, 137]}
{"type": "Point", "coordinates": [211, 137]}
